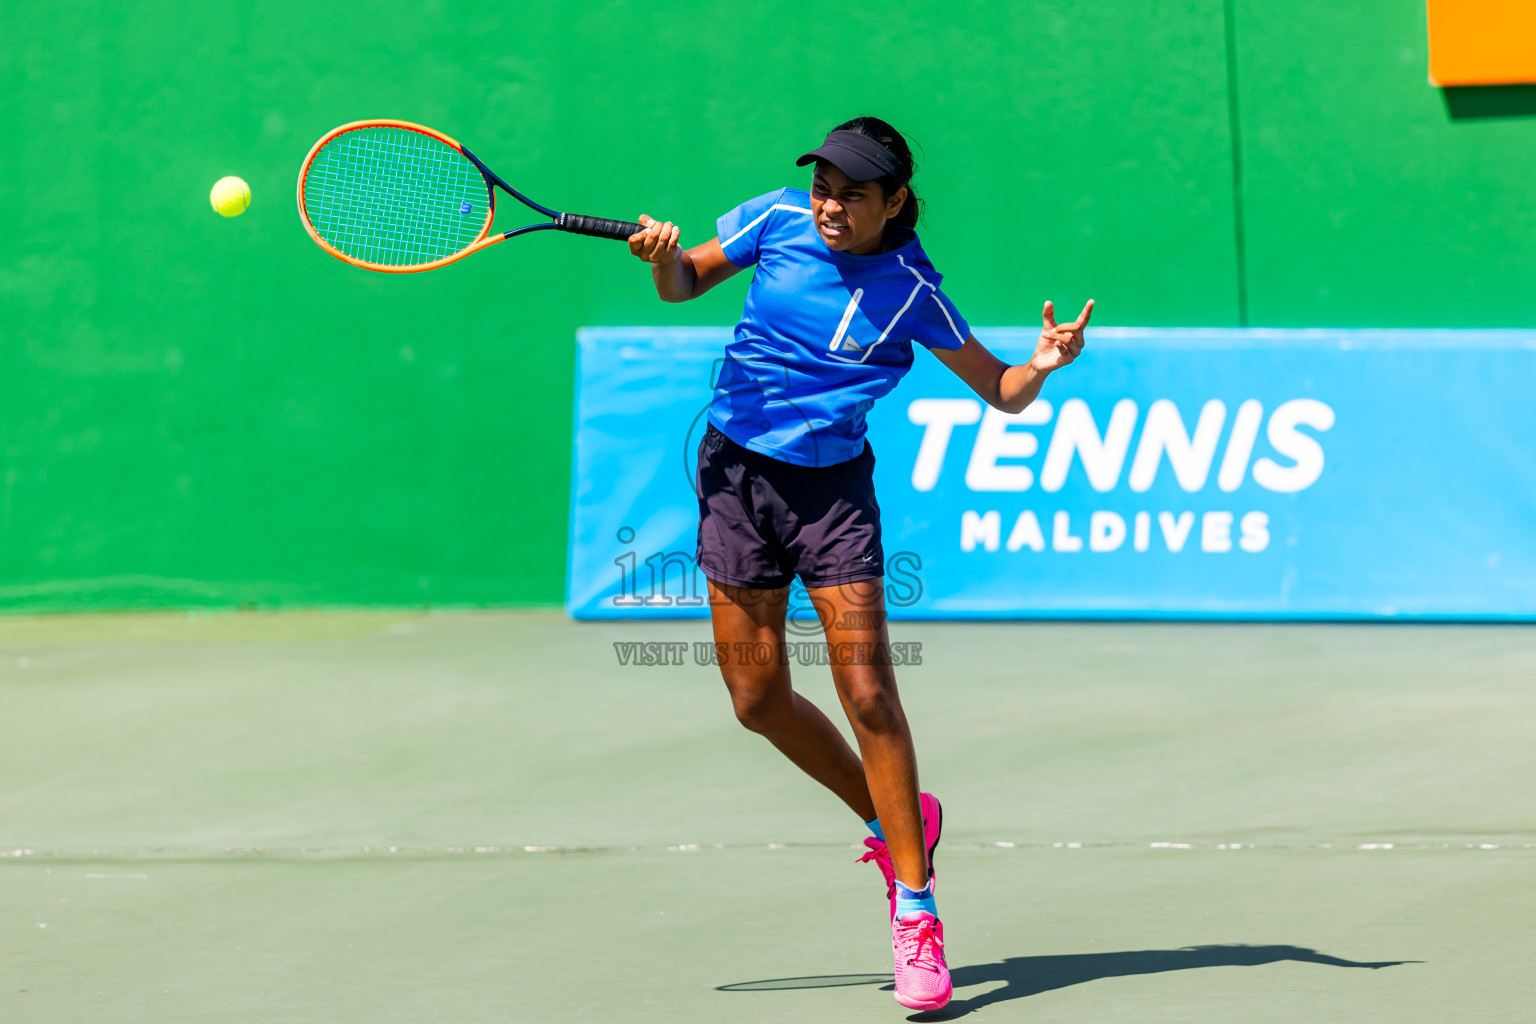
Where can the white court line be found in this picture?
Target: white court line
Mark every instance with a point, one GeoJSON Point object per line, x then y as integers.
{"type": "Point", "coordinates": [184, 853]}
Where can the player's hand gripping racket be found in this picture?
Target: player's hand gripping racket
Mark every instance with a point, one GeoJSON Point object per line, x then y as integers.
{"type": "Point", "coordinates": [397, 197]}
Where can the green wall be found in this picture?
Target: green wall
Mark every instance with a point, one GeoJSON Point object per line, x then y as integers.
{"type": "Point", "coordinates": [201, 412]}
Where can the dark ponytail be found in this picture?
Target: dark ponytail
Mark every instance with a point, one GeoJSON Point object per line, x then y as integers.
{"type": "Point", "coordinates": [896, 144]}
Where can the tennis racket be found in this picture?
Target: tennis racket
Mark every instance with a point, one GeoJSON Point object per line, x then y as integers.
{"type": "Point", "coordinates": [398, 198]}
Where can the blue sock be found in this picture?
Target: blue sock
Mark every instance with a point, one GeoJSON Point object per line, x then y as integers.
{"type": "Point", "coordinates": [909, 902]}
{"type": "Point", "coordinates": [874, 826]}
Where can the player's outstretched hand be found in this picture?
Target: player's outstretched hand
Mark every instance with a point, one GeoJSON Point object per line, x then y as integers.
{"type": "Point", "coordinates": [1059, 344]}
{"type": "Point", "coordinates": [657, 243]}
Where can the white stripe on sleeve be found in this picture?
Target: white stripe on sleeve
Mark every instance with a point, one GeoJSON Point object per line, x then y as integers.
{"type": "Point", "coordinates": [761, 217]}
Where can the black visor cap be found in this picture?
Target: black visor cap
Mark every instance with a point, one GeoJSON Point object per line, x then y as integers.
{"type": "Point", "coordinates": [856, 155]}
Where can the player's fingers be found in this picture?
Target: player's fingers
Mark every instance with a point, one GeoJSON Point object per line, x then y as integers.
{"type": "Point", "coordinates": [1082, 318]}
{"type": "Point", "coordinates": [1050, 314]}
{"type": "Point", "coordinates": [637, 239]}
{"type": "Point", "coordinates": [676, 234]}
{"type": "Point", "coordinates": [652, 241]}
{"type": "Point", "coordinates": [663, 249]}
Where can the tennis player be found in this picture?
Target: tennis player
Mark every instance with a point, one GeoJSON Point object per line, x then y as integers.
{"type": "Point", "coordinates": [842, 290]}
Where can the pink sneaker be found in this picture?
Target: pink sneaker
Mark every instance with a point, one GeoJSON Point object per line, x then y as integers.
{"type": "Point", "coordinates": [933, 823]}
{"type": "Point", "coordinates": [922, 977]}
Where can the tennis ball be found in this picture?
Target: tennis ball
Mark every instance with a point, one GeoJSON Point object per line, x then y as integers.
{"type": "Point", "coordinates": [230, 196]}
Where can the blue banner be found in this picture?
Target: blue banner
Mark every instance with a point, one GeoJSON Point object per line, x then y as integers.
{"type": "Point", "coordinates": [1168, 473]}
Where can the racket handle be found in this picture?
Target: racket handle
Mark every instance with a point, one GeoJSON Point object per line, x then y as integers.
{"type": "Point", "coordinates": [598, 227]}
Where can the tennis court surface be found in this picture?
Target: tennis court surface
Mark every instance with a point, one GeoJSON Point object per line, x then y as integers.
{"type": "Point", "coordinates": [485, 817]}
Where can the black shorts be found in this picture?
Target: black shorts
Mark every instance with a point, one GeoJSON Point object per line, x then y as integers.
{"type": "Point", "coordinates": [762, 522]}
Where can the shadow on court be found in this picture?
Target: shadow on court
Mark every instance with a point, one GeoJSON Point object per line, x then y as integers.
{"type": "Point", "coordinates": [1030, 975]}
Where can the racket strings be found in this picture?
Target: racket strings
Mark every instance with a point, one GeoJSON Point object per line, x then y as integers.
{"type": "Point", "coordinates": [394, 197]}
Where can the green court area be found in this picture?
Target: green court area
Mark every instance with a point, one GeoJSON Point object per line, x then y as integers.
{"type": "Point", "coordinates": [338, 817]}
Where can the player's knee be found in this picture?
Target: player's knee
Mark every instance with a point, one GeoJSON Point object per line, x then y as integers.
{"type": "Point", "coordinates": [756, 712]}
{"type": "Point", "coordinates": [874, 707]}
{"type": "Point", "coordinates": [757, 706]}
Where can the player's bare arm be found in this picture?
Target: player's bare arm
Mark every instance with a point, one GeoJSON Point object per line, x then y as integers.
{"type": "Point", "coordinates": [680, 274]}
{"type": "Point", "coordinates": [1012, 388]}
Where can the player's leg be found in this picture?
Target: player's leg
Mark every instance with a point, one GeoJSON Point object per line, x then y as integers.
{"type": "Point", "coordinates": [749, 624]}
{"type": "Point", "coordinates": [853, 615]}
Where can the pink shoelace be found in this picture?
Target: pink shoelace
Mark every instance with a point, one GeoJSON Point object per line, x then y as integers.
{"type": "Point", "coordinates": [877, 853]}
{"type": "Point", "coordinates": [921, 944]}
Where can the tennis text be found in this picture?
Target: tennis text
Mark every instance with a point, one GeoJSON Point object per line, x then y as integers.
{"type": "Point", "coordinates": [1076, 439]}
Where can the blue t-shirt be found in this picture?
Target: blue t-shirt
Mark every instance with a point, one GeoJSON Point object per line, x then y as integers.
{"type": "Point", "coordinates": [823, 333]}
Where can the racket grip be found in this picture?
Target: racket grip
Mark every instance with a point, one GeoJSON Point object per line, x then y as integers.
{"type": "Point", "coordinates": [598, 227]}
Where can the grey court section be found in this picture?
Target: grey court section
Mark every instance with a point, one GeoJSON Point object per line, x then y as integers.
{"type": "Point", "coordinates": [326, 817]}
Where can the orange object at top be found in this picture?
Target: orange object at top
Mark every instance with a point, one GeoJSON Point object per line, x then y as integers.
{"type": "Point", "coordinates": [1482, 42]}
